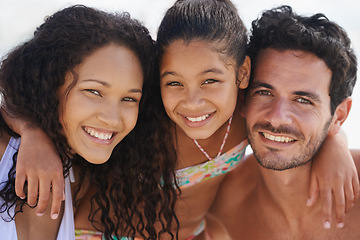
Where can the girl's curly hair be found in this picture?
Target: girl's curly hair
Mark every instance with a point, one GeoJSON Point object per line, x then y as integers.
{"type": "Point", "coordinates": [129, 196]}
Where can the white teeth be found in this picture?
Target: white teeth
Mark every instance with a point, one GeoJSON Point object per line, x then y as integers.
{"type": "Point", "coordinates": [100, 135]}
{"type": "Point", "coordinates": [278, 139]}
{"type": "Point", "coordinates": [198, 119]}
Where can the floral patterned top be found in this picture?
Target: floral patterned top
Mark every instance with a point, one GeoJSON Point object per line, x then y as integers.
{"type": "Point", "coordinates": [224, 163]}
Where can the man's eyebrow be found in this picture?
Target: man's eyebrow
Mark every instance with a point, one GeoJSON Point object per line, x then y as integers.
{"type": "Point", "coordinates": [261, 84]}
{"type": "Point", "coordinates": [315, 97]}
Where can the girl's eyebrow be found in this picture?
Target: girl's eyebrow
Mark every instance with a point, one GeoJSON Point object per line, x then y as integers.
{"type": "Point", "coordinates": [168, 73]}
{"type": "Point", "coordinates": [211, 70]}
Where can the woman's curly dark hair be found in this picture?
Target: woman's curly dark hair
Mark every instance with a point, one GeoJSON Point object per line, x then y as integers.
{"type": "Point", "coordinates": [282, 29]}
{"type": "Point", "coordinates": [129, 196]}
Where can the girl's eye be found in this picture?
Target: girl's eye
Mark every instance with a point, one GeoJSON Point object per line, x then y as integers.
{"type": "Point", "coordinates": [129, 99]}
{"type": "Point", "coordinates": [304, 101]}
{"type": "Point", "coordinates": [174, 83]}
{"type": "Point", "coordinates": [208, 81]}
{"type": "Point", "coordinates": [95, 92]}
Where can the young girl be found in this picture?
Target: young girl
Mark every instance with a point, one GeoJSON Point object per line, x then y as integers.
{"type": "Point", "coordinates": [201, 47]}
{"type": "Point", "coordinates": [80, 79]}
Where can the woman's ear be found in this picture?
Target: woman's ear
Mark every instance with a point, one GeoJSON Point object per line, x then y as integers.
{"type": "Point", "coordinates": [340, 115]}
{"type": "Point", "coordinates": [243, 74]}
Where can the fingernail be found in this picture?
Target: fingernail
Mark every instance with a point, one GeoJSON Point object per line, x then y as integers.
{"type": "Point", "coordinates": [22, 197]}
{"type": "Point", "coordinates": [308, 202]}
{"type": "Point", "coordinates": [340, 225]}
{"type": "Point", "coordinates": [327, 225]}
{"type": "Point", "coordinates": [39, 214]}
{"type": "Point", "coordinates": [54, 216]}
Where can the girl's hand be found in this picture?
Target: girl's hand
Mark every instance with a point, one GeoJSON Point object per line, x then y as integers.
{"type": "Point", "coordinates": [39, 169]}
{"type": "Point", "coordinates": [39, 164]}
{"type": "Point", "coordinates": [334, 173]}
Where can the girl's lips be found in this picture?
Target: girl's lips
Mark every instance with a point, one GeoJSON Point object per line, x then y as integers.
{"type": "Point", "coordinates": [197, 121]}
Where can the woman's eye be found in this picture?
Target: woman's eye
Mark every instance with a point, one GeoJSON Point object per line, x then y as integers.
{"type": "Point", "coordinates": [95, 92]}
{"type": "Point", "coordinates": [129, 99]}
{"type": "Point", "coordinates": [208, 81]}
{"type": "Point", "coordinates": [174, 83]}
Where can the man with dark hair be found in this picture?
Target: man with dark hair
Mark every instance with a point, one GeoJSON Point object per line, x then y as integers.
{"type": "Point", "coordinates": [304, 71]}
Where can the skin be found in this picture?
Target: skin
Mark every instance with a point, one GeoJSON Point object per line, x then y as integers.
{"type": "Point", "coordinates": [265, 193]}
{"type": "Point", "coordinates": [101, 110]}
{"type": "Point", "coordinates": [109, 84]}
{"type": "Point", "coordinates": [195, 81]}
{"type": "Point", "coordinates": [189, 74]}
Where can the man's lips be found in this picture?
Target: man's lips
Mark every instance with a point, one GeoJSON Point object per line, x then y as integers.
{"type": "Point", "coordinates": [277, 138]}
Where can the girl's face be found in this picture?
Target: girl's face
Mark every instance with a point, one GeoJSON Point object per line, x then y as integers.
{"type": "Point", "coordinates": [102, 107]}
{"type": "Point", "coordinates": [199, 87]}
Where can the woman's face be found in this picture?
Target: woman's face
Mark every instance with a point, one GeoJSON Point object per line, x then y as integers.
{"type": "Point", "coordinates": [102, 107]}
{"type": "Point", "coordinates": [199, 87]}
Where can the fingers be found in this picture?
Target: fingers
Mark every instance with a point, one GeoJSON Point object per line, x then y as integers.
{"type": "Point", "coordinates": [356, 188]}
{"type": "Point", "coordinates": [19, 183]}
{"type": "Point", "coordinates": [44, 196]}
{"type": "Point", "coordinates": [326, 206]}
{"type": "Point", "coordinates": [58, 195]}
{"type": "Point", "coordinates": [313, 191]}
{"type": "Point", "coordinates": [339, 197]}
{"type": "Point", "coordinates": [32, 195]}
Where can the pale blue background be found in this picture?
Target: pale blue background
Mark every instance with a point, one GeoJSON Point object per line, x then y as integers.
{"type": "Point", "coordinates": [19, 18]}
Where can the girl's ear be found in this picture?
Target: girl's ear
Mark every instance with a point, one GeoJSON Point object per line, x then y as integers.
{"type": "Point", "coordinates": [243, 74]}
{"type": "Point", "coordinates": [340, 115]}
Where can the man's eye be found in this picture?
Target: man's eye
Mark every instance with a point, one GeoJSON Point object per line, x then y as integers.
{"type": "Point", "coordinates": [263, 92]}
{"type": "Point", "coordinates": [304, 101]}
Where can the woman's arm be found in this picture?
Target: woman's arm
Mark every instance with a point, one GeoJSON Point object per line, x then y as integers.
{"type": "Point", "coordinates": [39, 169]}
{"type": "Point", "coordinates": [30, 226]}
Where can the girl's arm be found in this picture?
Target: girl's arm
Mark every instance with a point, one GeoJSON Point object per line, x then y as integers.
{"type": "Point", "coordinates": [334, 172]}
{"type": "Point", "coordinates": [39, 169]}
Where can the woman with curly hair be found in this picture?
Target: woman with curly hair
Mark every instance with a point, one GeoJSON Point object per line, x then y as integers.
{"type": "Point", "coordinates": [82, 79]}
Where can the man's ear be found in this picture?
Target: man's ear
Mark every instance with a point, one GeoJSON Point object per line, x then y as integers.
{"type": "Point", "coordinates": [340, 115]}
{"type": "Point", "coordinates": [243, 74]}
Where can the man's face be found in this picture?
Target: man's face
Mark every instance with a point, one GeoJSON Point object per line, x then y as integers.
{"type": "Point", "coordinates": [287, 107]}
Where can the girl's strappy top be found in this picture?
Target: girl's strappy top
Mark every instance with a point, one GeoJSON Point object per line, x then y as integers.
{"type": "Point", "coordinates": [224, 163]}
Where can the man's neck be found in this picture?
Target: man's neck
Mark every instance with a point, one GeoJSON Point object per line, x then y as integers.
{"type": "Point", "coordinates": [287, 190]}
